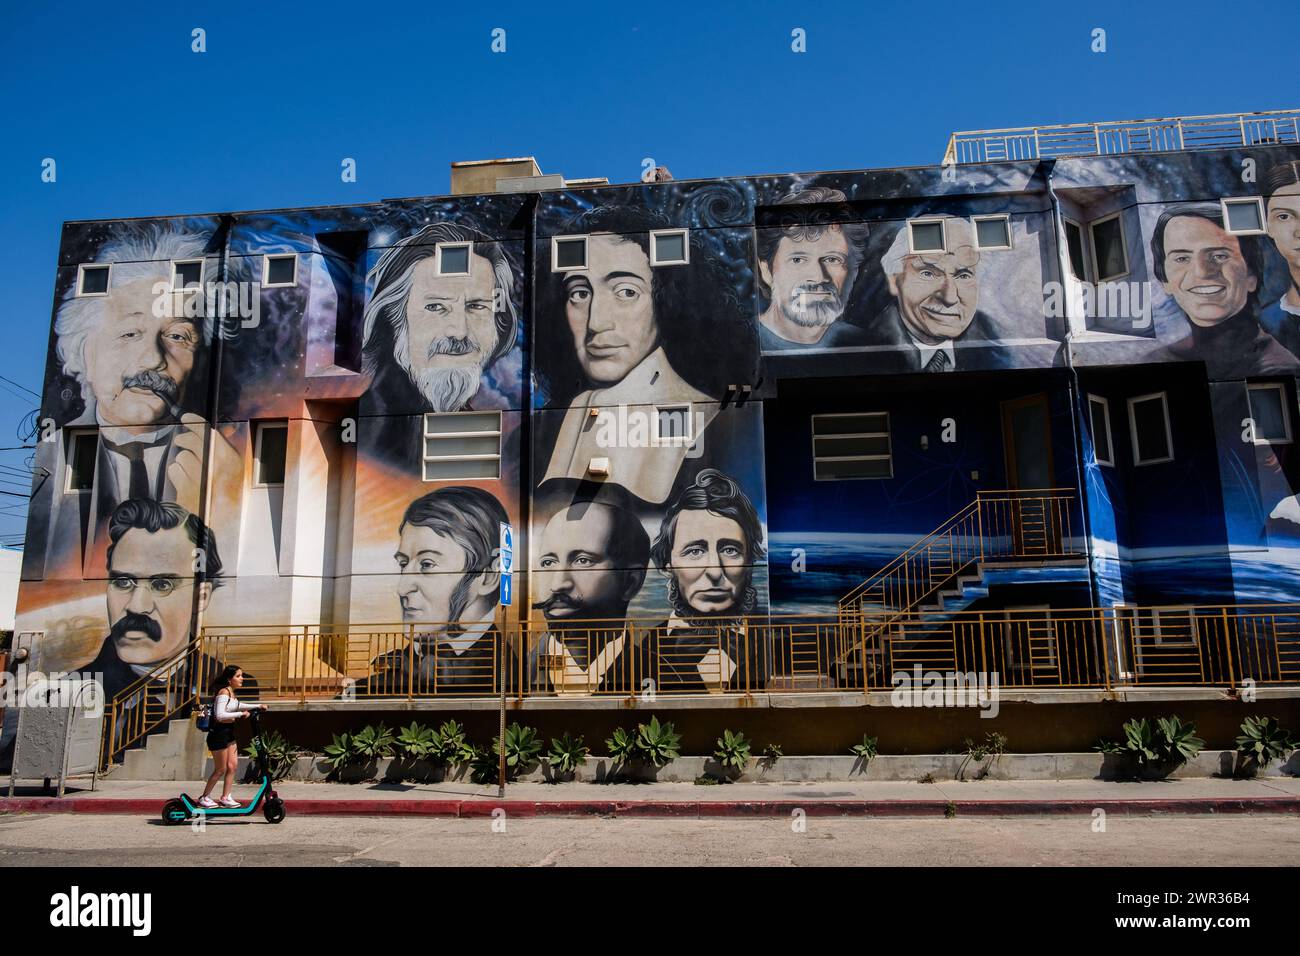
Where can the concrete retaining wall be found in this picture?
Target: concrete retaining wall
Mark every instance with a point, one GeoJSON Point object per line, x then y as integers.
{"type": "Point", "coordinates": [1069, 766]}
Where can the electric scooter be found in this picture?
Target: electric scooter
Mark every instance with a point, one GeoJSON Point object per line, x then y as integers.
{"type": "Point", "coordinates": [186, 807]}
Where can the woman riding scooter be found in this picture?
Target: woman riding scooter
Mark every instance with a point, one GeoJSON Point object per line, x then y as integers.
{"type": "Point", "coordinates": [226, 710]}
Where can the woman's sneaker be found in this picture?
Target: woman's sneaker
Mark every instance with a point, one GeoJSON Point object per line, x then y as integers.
{"type": "Point", "coordinates": [230, 802]}
{"type": "Point", "coordinates": [207, 803]}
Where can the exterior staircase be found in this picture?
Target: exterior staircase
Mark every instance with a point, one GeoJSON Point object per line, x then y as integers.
{"type": "Point", "coordinates": [901, 613]}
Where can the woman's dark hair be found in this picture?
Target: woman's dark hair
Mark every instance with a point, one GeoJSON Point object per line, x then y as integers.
{"type": "Point", "coordinates": [222, 680]}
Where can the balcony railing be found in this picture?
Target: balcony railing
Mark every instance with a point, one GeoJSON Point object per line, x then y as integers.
{"type": "Point", "coordinates": [1099, 648]}
{"type": "Point", "coordinates": [1124, 136]}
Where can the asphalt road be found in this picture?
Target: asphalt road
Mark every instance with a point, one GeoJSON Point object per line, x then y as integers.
{"type": "Point", "coordinates": [85, 840]}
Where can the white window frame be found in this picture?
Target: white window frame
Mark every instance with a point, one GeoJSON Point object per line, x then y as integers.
{"type": "Point", "coordinates": [1286, 412]}
{"type": "Point", "coordinates": [1110, 432]}
{"type": "Point", "coordinates": [674, 441]}
{"type": "Point", "coordinates": [1132, 429]}
{"type": "Point", "coordinates": [887, 434]}
{"type": "Point", "coordinates": [426, 434]}
{"type": "Point", "coordinates": [469, 260]}
{"type": "Point", "coordinates": [686, 247]}
{"type": "Point", "coordinates": [70, 456]}
{"type": "Point", "coordinates": [1158, 639]}
{"type": "Point", "coordinates": [1008, 628]}
{"type": "Point", "coordinates": [555, 253]}
{"type": "Point", "coordinates": [266, 270]}
{"type": "Point", "coordinates": [1255, 201]}
{"type": "Point", "coordinates": [1085, 245]}
{"type": "Point", "coordinates": [927, 221]}
{"type": "Point", "coordinates": [1123, 246]}
{"type": "Point", "coordinates": [81, 272]}
{"type": "Point", "coordinates": [261, 428]}
{"type": "Point", "coordinates": [186, 262]}
{"type": "Point", "coordinates": [976, 220]}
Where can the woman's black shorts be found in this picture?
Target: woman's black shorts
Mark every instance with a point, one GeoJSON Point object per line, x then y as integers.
{"type": "Point", "coordinates": [220, 737]}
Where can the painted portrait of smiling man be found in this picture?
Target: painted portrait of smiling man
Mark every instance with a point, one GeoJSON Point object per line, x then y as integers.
{"type": "Point", "coordinates": [934, 323]}
{"type": "Point", "coordinates": [1214, 276]}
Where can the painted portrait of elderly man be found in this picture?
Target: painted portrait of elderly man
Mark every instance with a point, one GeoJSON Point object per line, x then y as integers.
{"type": "Point", "coordinates": [140, 363]}
{"type": "Point", "coordinates": [934, 323]}
{"type": "Point", "coordinates": [626, 332]}
{"type": "Point", "coordinates": [438, 318]}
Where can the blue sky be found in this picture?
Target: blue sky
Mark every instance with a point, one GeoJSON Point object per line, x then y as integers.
{"type": "Point", "coordinates": [140, 125]}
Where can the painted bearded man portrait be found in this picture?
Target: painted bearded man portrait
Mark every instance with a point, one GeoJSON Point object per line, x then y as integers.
{"type": "Point", "coordinates": [444, 309]}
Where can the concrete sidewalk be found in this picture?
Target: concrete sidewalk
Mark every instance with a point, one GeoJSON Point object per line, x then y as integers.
{"type": "Point", "coordinates": [853, 798]}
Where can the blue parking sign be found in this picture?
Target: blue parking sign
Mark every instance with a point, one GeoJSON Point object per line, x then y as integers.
{"type": "Point", "coordinates": [507, 562]}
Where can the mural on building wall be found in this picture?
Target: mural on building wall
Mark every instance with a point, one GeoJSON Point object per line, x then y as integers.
{"type": "Point", "coordinates": [650, 435]}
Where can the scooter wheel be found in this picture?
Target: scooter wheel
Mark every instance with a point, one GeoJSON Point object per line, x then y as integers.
{"type": "Point", "coordinates": [174, 812]}
{"type": "Point", "coordinates": [273, 810]}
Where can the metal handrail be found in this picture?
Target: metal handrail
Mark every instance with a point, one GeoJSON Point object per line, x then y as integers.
{"type": "Point", "coordinates": [944, 529]}
{"type": "Point", "coordinates": [1088, 647]}
{"type": "Point", "coordinates": [1086, 139]}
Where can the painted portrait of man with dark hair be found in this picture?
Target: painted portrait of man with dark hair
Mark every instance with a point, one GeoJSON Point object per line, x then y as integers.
{"type": "Point", "coordinates": [448, 588]}
{"type": "Point", "coordinates": [592, 563]}
{"type": "Point", "coordinates": [709, 542]}
{"type": "Point", "coordinates": [807, 265]}
{"type": "Point", "coordinates": [624, 332]}
{"type": "Point", "coordinates": [1214, 277]}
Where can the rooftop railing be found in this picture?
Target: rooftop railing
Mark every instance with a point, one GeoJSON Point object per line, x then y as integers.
{"type": "Point", "coordinates": [1124, 136]}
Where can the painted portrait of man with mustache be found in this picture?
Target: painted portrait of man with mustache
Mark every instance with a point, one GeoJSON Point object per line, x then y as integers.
{"type": "Point", "coordinates": [807, 267]}
{"type": "Point", "coordinates": [442, 312]}
{"type": "Point", "coordinates": [139, 368]}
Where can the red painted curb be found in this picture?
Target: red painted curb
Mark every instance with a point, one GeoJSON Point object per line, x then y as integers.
{"type": "Point", "coordinates": [484, 808]}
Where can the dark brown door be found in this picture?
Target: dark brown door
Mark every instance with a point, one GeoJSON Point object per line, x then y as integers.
{"type": "Point", "coordinates": [1027, 443]}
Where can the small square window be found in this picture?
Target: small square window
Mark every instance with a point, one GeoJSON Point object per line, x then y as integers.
{"type": "Point", "coordinates": [1148, 419]}
{"type": "Point", "coordinates": [83, 451]}
{"type": "Point", "coordinates": [926, 235]}
{"type": "Point", "coordinates": [454, 258]}
{"type": "Point", "coordinates": [568, 253]}
{"type": "Point", "coordinates": [271, 448]}
{"type": "Point", "coordinates": [1268, 412]}
{"type": "Point", "coordinates": [279, 271]}
{"type": "Point", "coordinates": [187, 273]}
{"type": "Point", "coordinates": [92, 280]}
{"type": "Point", "coordinates": [669, 247]}
{"type": "Point", "coordinates": [993, 232]}
{"type": "Point", "coordinates": [459, 445]}
{"type": "Point", "coordinates": [672, 424]}
{"type": "Point", "coordinates": [1245, 217]}
{"type": "Point", "coordinates": [1109, 255]}
{"type": "Point", "coordinates": [1099, 415]}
